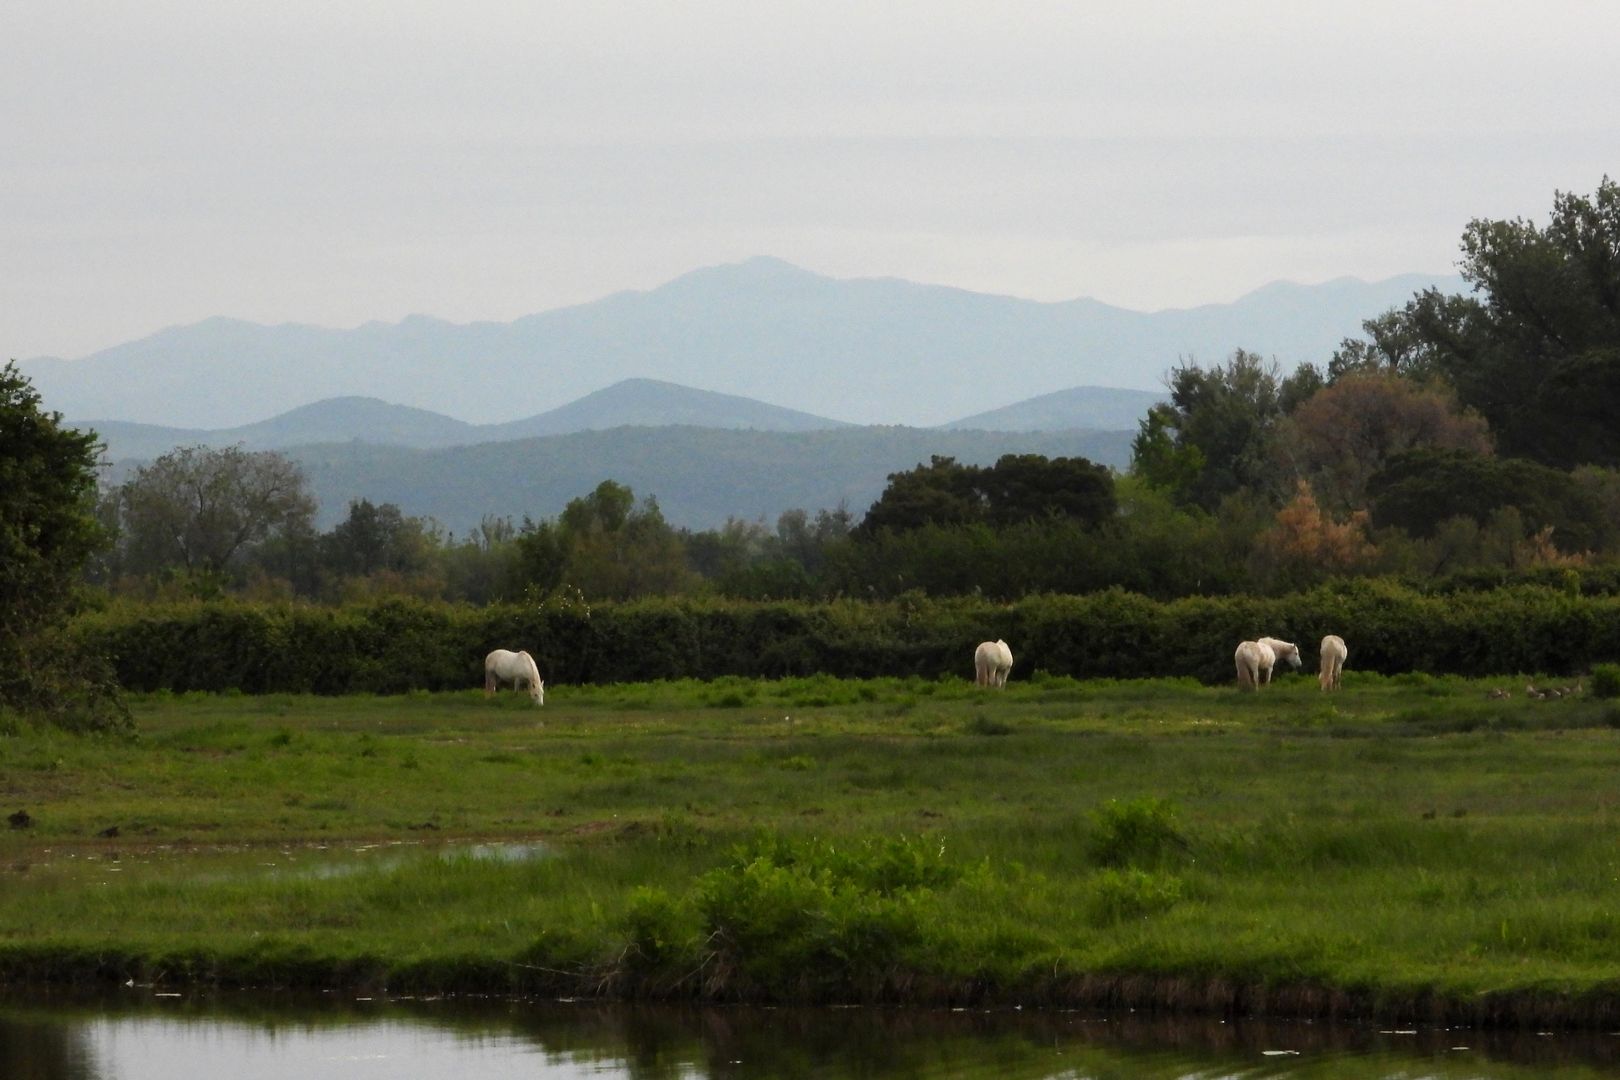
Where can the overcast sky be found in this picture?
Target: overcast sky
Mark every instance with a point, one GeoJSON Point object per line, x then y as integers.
{"type": "Point", "coordinates": [332, 163]}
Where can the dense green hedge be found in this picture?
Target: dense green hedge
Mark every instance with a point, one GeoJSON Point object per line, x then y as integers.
{"type": "Point", "coordinates": [394, 646]}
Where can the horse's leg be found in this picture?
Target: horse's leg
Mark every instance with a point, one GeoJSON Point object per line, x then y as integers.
{"type": "Point", "coordinates": [489, 682]}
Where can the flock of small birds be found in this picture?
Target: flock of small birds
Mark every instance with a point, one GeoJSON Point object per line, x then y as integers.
{"type": "Point", "coordinates": [1544, 693]}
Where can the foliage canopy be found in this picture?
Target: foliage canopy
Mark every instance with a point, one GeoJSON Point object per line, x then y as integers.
{"type": "Point", "coordinates": [1536, 349]}
{"type": "Point", "coordinates": [1017, 488]}
{"type": "Point", "coordinates": [48, 529]}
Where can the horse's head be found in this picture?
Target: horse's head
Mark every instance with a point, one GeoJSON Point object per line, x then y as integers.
{"type": "Point", "coordinates": [1285, 650]}
{"type": "Point", "coordinates": [538, 692]}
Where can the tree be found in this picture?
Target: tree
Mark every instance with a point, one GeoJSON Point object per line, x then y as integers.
{"type": "Point", "coordinates": [1030, 487]}
{"type": "Point", "coordinates": [1421, 489]}
{"type": "Point", "coordinates": [48, 530]}
{"type": "Point", "coordinates": [604, 510]}
{"type": "Point", "coordinates": [1213, 438]}
{"type": "Point", "coordinates": [1305, 545]}
{"type": "Point", "coordinates": [1393, 346]}
{"type": "Point", "coordinates": [1536, 350]}
{"type": "Point", "coordinates": [943, 492]}
{"type": "Point", "coordinates": [617, 549]}
{"type": "Point", "coordinates": [1017, 488]}
{"type": "Point", "coordinates": [1344, 433]}
{"type": "Point", "coordinates": [374, 538]}
{"type": "Point", "coordinates": [1159, 458]}
{"type": "Point", "coordinates": [541, 558]}
{"type": "Point", "coordinates": [199, 507]}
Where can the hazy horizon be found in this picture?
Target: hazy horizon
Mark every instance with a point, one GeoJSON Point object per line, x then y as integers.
{"type": "Point", "coordinates": [331, 166]}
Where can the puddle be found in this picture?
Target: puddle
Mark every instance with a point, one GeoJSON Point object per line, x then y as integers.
{"type": "Point", "coordinates": [228, 862]}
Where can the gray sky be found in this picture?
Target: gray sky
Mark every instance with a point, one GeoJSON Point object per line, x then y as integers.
{"type": "Point", "coordinates": [332, 163]}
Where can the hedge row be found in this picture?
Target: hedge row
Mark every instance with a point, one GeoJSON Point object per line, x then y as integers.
{"type": "Point", "coordinates": [394, 646]}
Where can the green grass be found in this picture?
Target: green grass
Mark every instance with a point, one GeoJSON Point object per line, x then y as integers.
{"type": "Point", "coordinates": [1403, 845]}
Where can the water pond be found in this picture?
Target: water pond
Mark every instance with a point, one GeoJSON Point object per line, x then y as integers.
{"type": "Point", "coordinates": [143, 1033]}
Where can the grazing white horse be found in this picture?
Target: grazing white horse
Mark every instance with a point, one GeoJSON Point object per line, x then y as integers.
{"type": "Point", "coordinates": [992, 660]}
{"type": "Point", "coordinates": [1254, 660]}
{"type": "Point", "coordinates": [1333, 657]}
{"type": "Point", "coordinates": [1281, 650]}
{"type": "Point", "coordinates": [515, 668]}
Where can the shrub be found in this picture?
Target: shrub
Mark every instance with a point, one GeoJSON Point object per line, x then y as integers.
{"type": "Point", "coordinates": [801, 930]}
{"type": "Point", "coordinates": [660, 928]}
{"type": "Point", "coordinates": [1134, 832]}
{"type": "Point", "coordinates": [1606, 681]}
{"type": "Point", "coordinates": [800, 919]}
{"type": "Point", "coordinates": [401, 645]}
{"type": "Point", "coordinates": [1118, 895]}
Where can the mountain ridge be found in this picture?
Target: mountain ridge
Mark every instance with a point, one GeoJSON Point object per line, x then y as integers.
{"type": "Point", "coordinates": [631, 403]}
{"type": "Point", "coordinates": [869, 350]}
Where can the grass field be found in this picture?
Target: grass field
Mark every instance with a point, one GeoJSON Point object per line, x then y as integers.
{"type": "Point", "coordinates": [1404, 847]}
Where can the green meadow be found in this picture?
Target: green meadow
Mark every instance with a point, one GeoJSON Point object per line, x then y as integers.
{"type": "Point", "coordinates": [1407, 847]}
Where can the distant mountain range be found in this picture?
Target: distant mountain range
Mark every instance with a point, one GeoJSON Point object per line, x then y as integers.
{"type": "Point", "coordinates": [632, 403]}
{"type": "Point", "coordinates": [706, 457]}
{"type": "Point", "coordinates": [865, 351]}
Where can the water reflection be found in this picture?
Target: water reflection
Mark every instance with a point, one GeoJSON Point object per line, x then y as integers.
{"type": "Point", "coordinates": [110, 865]}
{"type": "Point", "coordinates": [137, 1035]}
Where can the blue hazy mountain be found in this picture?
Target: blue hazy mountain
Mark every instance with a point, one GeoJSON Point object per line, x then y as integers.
{"type": "Point", "coordinates": [634, 402]}
{"type": "Point", "coordinates": [865, 351]}
{"type": "Point", "coordinates": [1098, 408]}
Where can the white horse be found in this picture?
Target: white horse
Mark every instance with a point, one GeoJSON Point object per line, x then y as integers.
{"type": "Point", "coordinates": [1281, 650]}
{"type": "Point", "coordinates": [992, 660]}
{"type": "Point", "coordinates": [515, 668]}
{"type": "Point", "coordinates": [1333, 657]}
{"type": "Point", "coordinates": [1254, 660]}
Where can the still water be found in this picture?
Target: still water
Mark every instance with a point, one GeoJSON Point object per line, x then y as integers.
{"type": "Point", "coordinates": [142, 1035]}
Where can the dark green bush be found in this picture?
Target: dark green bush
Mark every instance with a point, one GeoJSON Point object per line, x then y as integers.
{"type": "Point", "coordinates": [1606, 681]}
{"type": "Point", "coordinates": [810, 920]}
{"type": "Point", "coordinates": [401, 645]}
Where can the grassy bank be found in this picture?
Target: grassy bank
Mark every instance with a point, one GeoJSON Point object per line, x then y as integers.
{"type": "Point", "coordinates": [1406, 847]}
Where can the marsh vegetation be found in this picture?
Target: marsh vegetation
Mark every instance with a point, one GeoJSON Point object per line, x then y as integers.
{"type": "Point", "coordinates": [1407, 846]}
